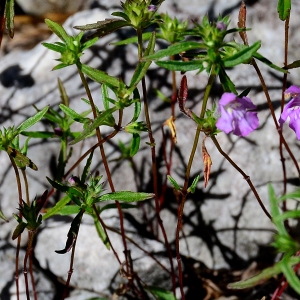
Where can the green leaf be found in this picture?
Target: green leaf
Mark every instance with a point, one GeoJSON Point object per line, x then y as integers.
{"type": "Point", "coordinates": [292, 195]}
{"type": "Point", "coordinates": [174, 183]}
{"type": "Point", "coordinates": [2, 216]}
{"type": "Point", "coordinates": [63, 94]}
{"type": "Point", "coordinates": [89, 43]}
{"type": "Point", "coordinates": [192, 188]}
{"type": "Point", "coordinates": [72, 114]}
{"type": "Point", "coordinates": [19, 229]}
{"type": "Point", "coordinates": [227, 84]}
{"type": "Point", "coordinates": [39, 134]}
{"type": "Point", "coordinates": [96, 123]}
{"type": "Point", "coordinates": [101, 233]}
{"type": "Point", "coordinates": [57, 208]}
{"type": "Point", "coordinates": [266, 274]}
{"type": "Point", "coordinates": [121, 14]}
{"type": "Point", "coordinates": [290, 275]}
{"type": "Point", "coordinates": [9, 14]}
{"type": "Point", "coordinates": [137, 105]}
{"type": "Point", "coordinates": [293, 65]}
{"type": "Point", "coordinates": [69, 210]}
{"type": "Point", "coordinates": [58, 30]}
{"type": "Point", "coordinates": [74, 193]}
{"type": "Point", "coordinates": [54, 47]}
{"type": "Point", "coordinates": [143, 66]}
{"type": "Point", "coordinates": [31, 121]}
{"type": "Point", "coordinates": [242, 56]}
{"type": "Point", "coordinates": [287, 215]}
{"type": "Point", "coordinates": [182, 66]}
{"type": "Point", "coordinates": [283, 8]}
{"type": "Point", "coordinates": [100, 76]}
{"type": "Point", "coordinates": [175, 49]}
{"type": "Point", "coordinates": [105, 96]}
{"type": "Point", "coordinates": [126, 196]}
{"type": "Point", "coordinates": [104, 27]}
{"type": "Point", "coordinates": [72, 234]}
{"type": "Point", "coordinates": [135, 144]}
{"type": "Point", "coordinates": [275, 212]}
{"type": "Point", "coordinates": [20, 159]}
{"type": "Point", "coordinates": [161, 294]}
{"type": "Point", "coordinates": [87, 167]}
{"type": "Point", "coordinates": [269, 63]}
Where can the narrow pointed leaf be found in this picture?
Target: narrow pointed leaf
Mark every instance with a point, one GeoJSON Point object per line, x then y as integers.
{"type": "Point", "coordinates": [54, 47]}
{"type": "Point", "coordinates": [137, 105]}
{"type": "Point", "coordinates": [283, 8]}
{"type": "Point", "coordinates": [72, 234]}
{"type": "Point", "coordinates": [175, 49]}
{"type": "Point", "coordinates": [275, 212]}
{"type": "Point", "coordinates": [63, 94]}
{"type": "Point", "coordinates": [72, 114]}
{"type": "Point", "coordinates": [104, 27]}
{"type": "Point", "coordinates": [227, 84]}
{"type": "Point", "coordinates": [135, 144]}
{"type": "Point", "coordinates": [96, 123]}
{"type": "Point", "coordinates": [241, 56]}
{"type": "Point", "coordinates": [290, 275]}
{"type": "Point", "coordinates": [2, 216]}
{"type": "Point", "coordinates": [39, 134]}
{"type": "Point", "coordinates": [20, 159]}
{"type": "Point", "coordinates": [269, 63]}
{"type": "Point", "coordinates": [126, 196]}
{"type": "Point", "coordinates": [31, 121]}
{"type": "Point", "coordinates": [161, 294]}
{"type": "Point", "coordinates": [260, 278]}
{"type": "Point", "coordinates": [74, 193]}
{"type": "Point", "coordinates": [101, 233]}
{"type": "Point", "coordinates": [58, 30]}
{"type": "Point", "coordinates": [19, 229]}
{"type": "Point", "coordinates": [293, 65]}
{"type": "Point", "coordinates": [105, 96]}
{"type": "Point", "coordinates": [9, 16]}
{"type": "Point", "coordinates": [143, 66]}
{"type": "Point", "coordinates": [100, 76]}
{"type": "Point", "coordinates": [87, 167]}
{"type": "Point", "coordinates": [121, 14]}
{"type": "Point", "coordinates": [174, 183]}
{"type": "Point", "coordinates": [57, 208]}
{"type": "Point", "coordinates": [183, 66]}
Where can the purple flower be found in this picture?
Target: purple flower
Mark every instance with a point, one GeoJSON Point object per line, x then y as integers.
{"type": "Point", "coordinates": [292, 110]}
{"type": "Point", "coordinates": [152, 8]}
{"type": "Point", "coordinates": [236, 115]}
{"type": "Point", "coordinates": [58, 131]}
{"type": "Point", "coordinates": [221, 26]}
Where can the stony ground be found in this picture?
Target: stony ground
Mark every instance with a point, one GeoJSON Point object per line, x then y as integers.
{"type": "Point", "coordinates": [225, 237]}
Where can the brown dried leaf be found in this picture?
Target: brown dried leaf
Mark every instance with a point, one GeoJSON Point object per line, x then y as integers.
{"type": "Point", "coordinates": [182, 96]}
{"type": "Point", "coordinates": [170, 123]}
{"type": "Point", "coordinates": [207, 163]}
{"type": "Point", "coordinates": [242, 22]}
